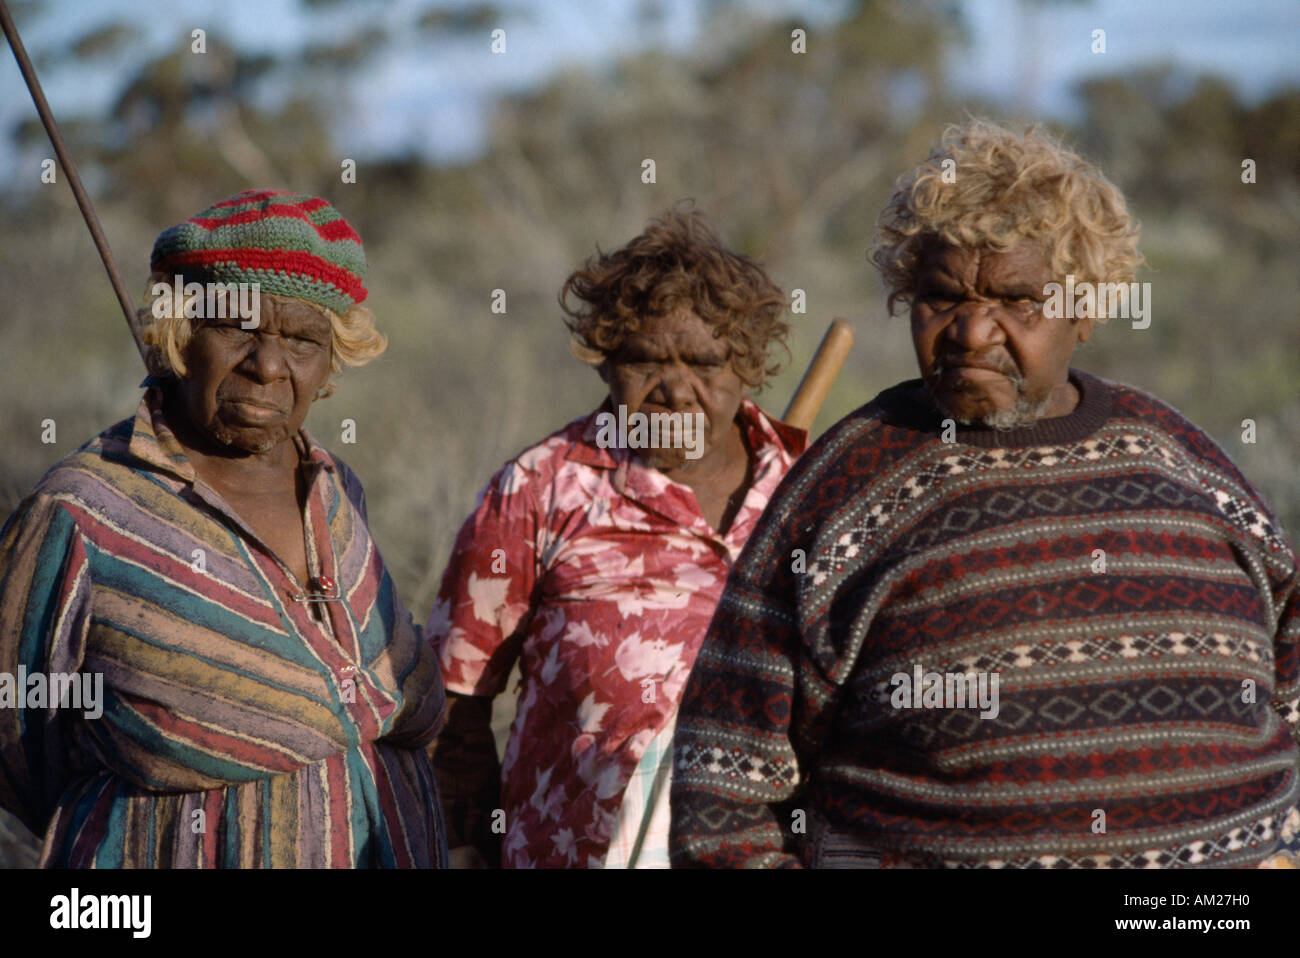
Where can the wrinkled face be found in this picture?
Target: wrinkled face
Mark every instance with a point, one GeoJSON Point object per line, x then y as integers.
{"type": "Point", "coordinates": [987, 352]}
{"type": "Point", "coordinates": [250, 390]}
{"type": "Point", "coordinates": [673, 364]}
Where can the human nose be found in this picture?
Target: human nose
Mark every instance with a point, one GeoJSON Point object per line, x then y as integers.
{"type": "Point", "coordinates": [266, 358]}
{"type": "Point", "coordinates": [974, 326]}
{"type": "Point", "coordinates": [674, 388]}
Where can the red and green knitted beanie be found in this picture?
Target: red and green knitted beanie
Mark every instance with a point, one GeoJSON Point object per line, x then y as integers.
{"type": "Point", "coordinates": [289, 243]}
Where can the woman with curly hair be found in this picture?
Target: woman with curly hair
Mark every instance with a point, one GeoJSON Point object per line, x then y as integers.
{"type": "Point", "coordinates": [252, 692]}
{"type": "Point", "coordinates": [598, 556]}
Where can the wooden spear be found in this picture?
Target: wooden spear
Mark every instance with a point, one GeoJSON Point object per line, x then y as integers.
{"type": "Point", "coordinates": [823, 369]}
{"type": "Point", "coordinates": [70, 171]}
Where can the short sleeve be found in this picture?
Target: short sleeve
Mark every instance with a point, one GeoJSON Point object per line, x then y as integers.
{"type": "Point", "coordinates": [486, 598]}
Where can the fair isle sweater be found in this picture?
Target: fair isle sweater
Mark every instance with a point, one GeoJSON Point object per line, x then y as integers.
{"type": "Point", "coordinates": [1126, 587]}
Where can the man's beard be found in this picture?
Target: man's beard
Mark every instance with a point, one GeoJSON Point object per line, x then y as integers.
{"type": "Point", "coordinates": [1024, 412]}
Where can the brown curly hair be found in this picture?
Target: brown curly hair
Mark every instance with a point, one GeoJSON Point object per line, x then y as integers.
{"type": "Point", "coordinates": [1008, 188]}
{"type": "Point", "coordinates": [678, 262]}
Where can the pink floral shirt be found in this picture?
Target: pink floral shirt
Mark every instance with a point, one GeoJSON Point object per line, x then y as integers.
{"type": "Point", "coordinates": [604, 575]}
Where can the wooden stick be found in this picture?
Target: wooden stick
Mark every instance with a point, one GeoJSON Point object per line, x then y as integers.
{"type": "Point", "coordinates": [823, 369]}
{"type": "Point", "coordinates": [70, 171]}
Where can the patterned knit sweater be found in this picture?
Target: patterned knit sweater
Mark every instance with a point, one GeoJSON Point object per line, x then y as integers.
{"type": "Point", "coordinates": [1111, 583]}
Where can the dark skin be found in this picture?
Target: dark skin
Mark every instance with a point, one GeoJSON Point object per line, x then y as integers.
{"type": "Point", "coordinates": [976, 331]}
{"type": "Point", "coordinates": [674, 363]}
{"type": "Point", "coordinates": [245, 395]}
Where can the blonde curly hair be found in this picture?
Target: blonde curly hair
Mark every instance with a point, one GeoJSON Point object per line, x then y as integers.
{"type": "Point", "coordinates": [1007, 188]}
{"type": "Point", "coordinates": [355, 340]}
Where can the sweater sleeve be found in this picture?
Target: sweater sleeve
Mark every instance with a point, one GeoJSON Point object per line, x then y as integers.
{"type": "Point", "coordinates": [753, 715]}
{"type": "Point", "coordinates": [45, 600]}
{"type": "Point", "coordinates": [1284, 585]}
{"type": "Point", "coordinates": [1277, 573]}
{"type": "Point", "coordinates": [1287, 692]}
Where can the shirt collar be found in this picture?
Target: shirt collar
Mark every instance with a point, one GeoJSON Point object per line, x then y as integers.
{"type": "Point", "coordinates": [765, 431]}
{"type": "Point", "coordinates": [762, 431]}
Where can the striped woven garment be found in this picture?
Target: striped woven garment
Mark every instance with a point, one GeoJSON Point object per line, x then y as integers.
{"type": "Point", "coordinates": [239, 727]}
{"type": "Point", "coordinates": [1112, 569]}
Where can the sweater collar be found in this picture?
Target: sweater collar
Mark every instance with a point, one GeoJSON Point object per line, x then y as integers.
{"type": "Point", "coordinates": [907, 405]}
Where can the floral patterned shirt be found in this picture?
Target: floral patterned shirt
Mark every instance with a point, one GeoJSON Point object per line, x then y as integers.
{"type": "Point", "coordinates": [603, 574]}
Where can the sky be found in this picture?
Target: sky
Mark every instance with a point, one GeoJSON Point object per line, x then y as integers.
{"type": "Point", "coordinates": [1256, 45]}
{"type": "Point", "coordinates": [440, 104]}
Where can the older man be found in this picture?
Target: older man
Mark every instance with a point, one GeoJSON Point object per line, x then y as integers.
{"type": "Point", "coordinates": [599, 554]}
{"type": "Point", "coordinates": [1007, 614]}
{"type": "Point", "coordinates": [249, 690]}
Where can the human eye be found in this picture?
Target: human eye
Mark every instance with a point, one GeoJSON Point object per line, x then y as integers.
{"type": "Point", "coordinates": [938, 305]}
{"type": "Point", "coordinates": [303, 344]}
{"type": "Point", "coordinates": [1026, 307]}
{"type": "Point", "coordinates": [636, 360]}
{"type": "Point", "coordinates": [939, 297]}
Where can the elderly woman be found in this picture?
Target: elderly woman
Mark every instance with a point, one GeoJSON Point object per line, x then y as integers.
{"type": "Point", "coordinates": [266, 698]}
{"type": "Point", "coordinates": [598, 555]}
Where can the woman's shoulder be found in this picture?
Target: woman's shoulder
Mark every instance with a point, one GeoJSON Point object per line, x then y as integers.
{"type": "Point", "coordinates": [99, 462]}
